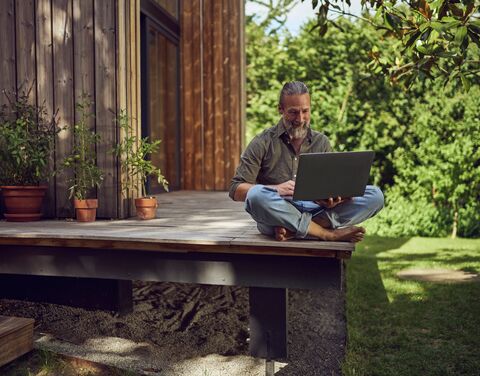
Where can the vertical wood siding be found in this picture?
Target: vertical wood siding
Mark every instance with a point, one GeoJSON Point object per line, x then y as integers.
{"type": "Point", "coordinates": [128, 82]}
{"type": "Point", "coordinates": [63, 93]}
{"type": "Point", "coordinates": [44, 51]}
{"type": "Point", "coordinates": [8, 80]}
{"type": "Point", "coordinates": [105, 99]}
{"type": "Point", "coordinates": [63, 49]}
{"type": "Point", "coordinates": [212, 62]}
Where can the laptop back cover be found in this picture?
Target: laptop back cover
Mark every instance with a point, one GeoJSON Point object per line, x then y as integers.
{"type": "Point", "coordinates": [324, 175]}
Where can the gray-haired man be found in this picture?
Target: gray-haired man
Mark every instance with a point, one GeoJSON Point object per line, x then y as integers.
{"type": "Point", "coordinates": [266, 176]}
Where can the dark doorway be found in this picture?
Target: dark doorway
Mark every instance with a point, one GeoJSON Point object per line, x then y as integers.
{"type": "Point", "coordinates": [160, 87]}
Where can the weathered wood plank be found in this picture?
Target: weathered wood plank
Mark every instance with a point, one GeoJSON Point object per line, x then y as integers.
{"type": "Point", "coordinates": [7, 47]}
{"type": "Point", "coordinates": [208, 112]}
{"type": "Point", "coordinates": [44, 66]}
{"type": "Point", "coordinates": [227, 94]}
{"type": "Point", "coordinates": [243, 80]}
{"type": "Point", "coordinates": [84, 74]}
{"type": "Point", "coordinates": [131, 84]}
{"type": "Point", "coordinates": [105, 94]}
{"type": "Point", "coordinates": [123, 33]}
{"type": "Point", "coordinates": [198, 170]}
{"type": "Point", "coordinates": [213, 245]}
{"type": "Point", "coordinates": [170, 142]}
{"type": "Point", "coordinates": [187, 90]}
{"type": "Point", "coordinates": [156, 91]}
{"type": "Point", "coordinates": [234, 120]}
{"type": "Point", "coordinates": [218, 94]}
{"type": "Point", "coordinates": [84, 66]}
{"type": "Point", "coordinates": [63, 94]}
{"type": "Point", "coordinates": [25, 48]}
{"type": "Point", "coordinates": [16, 337]}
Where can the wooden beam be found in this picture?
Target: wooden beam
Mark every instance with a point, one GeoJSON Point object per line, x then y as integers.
{"type": "Point", "coordinates": [16, 337]}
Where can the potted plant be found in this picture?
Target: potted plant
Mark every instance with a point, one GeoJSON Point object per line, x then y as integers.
{"type": "Point", "coordinates": [82, 162]}
{"type": "Point", "coordinates": [134, 153]}
{"type": "Point", "coordinates": [26, 140]}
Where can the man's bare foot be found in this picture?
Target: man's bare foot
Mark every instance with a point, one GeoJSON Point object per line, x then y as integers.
{"type": "Point", "coordinates": [352, 234]}
{"type": "Point", "coordinates": [282, 234]}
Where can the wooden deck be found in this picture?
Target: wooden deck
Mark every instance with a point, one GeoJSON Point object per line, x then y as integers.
{"type": "Point", "coordinates": [188, 221]}
{"type": "Point", "coordinates": [198, 237]}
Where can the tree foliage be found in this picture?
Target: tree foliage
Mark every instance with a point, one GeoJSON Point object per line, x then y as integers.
{"type": "Point", "coordinates": [426, 139]}
{"type": "Point", "coordinates": [436, 38]}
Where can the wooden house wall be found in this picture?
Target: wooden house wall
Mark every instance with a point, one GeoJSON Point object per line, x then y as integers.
{"type": "Point", "coordinates": [212, 61]}
{"type": "Point", "coordinates": [64, 48]}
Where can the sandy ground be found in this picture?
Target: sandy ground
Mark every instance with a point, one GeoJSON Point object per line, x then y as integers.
{"type": "Point", "coordinates": [191, 330]}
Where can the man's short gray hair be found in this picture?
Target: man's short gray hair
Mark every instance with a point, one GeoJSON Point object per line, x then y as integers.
{"type": "Point", "coordinates": [292, 88]}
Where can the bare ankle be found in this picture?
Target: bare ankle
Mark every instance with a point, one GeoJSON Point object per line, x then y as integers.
{"type": "Point", "coordinates": [323, 222]}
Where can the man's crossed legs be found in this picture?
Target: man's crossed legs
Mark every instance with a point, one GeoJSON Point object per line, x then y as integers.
{"type": "Point", "coordinates": [285, 219]}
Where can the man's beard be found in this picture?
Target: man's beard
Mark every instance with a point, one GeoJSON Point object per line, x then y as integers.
{"type": "Point", "coordinates": [297, 132]}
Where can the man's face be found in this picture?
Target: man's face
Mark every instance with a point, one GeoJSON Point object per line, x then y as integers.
{"type": "Point", "coordinates": [295, 111]}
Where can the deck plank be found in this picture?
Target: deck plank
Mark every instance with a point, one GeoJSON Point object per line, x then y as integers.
{"type": "Point", "coordinates": [188, 221]}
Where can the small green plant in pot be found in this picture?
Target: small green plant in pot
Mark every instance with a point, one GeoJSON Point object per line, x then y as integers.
{"type": "Point", "coordinates": [27, 137]}
{"type": "Point", "coordinates": [134, 153]}
{"type": "Point", "coordinates": [82, 162]}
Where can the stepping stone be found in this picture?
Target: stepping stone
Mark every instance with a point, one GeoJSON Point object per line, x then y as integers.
{"type": "Point", "coordinates": [438, 275]}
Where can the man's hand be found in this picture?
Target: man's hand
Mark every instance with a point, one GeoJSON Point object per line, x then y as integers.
{"type": "Point", "coordinates": [332, 202]}
{"type": "Point", "coordinates": [286, 189]}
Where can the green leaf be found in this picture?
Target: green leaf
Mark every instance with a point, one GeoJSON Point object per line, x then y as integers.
{"type": "Point", "coordinates": [465, 82]}
{"type": "Point", "coordinates": [460, 34]}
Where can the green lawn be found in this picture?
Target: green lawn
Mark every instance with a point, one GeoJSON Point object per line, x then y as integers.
{"type": "Point", "coordinates": [405, 327]}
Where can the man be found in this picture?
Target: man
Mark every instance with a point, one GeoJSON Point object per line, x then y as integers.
{"type": "Point", "coordinates": [265, 180]}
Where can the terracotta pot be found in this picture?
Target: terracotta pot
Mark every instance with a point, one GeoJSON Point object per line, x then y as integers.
{"type": "Point", "coordinates": [86, 210]}
{"type": "Point", "coordinates": [146, 207]}
{"type": "Point", "coordinates": [23, 203]}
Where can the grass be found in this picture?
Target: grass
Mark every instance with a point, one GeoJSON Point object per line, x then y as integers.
{"type": "Point", "coordinates": [405, 327]}
{"type": "Point", "coordinates": [46, 363]}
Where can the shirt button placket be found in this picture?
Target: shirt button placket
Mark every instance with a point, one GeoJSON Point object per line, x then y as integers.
{"type": "Point", "coordinates": [295, 166]}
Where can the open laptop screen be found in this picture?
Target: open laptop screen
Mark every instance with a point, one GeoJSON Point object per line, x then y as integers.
{"type": "Point", "coordinates": [324, 175]}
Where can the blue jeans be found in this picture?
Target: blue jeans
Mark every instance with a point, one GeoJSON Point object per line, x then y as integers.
{"type": "Point", "coordinates": [270, 210]}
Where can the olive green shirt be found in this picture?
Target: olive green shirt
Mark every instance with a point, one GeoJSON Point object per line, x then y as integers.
{"type": "Point", "coordinates": [270, 159]}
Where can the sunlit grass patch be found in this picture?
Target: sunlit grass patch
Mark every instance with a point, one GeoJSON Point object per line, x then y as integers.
{"type": "Point", "coordinates": [409, 327]}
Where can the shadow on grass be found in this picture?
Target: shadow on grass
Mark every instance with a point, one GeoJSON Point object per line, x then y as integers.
{"type": "Point", "coordinates": [404, 327]}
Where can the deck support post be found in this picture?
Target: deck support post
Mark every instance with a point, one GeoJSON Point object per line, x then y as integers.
{"type": "Point", "coordinates": [268, 322]}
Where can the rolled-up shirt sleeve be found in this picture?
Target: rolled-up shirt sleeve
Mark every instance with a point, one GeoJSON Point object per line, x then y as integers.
{"type": "Point", "coordinates": [250, 164]}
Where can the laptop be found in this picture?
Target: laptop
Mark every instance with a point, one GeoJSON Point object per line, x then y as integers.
{"type": "Point", "coordinates": [324, 175]}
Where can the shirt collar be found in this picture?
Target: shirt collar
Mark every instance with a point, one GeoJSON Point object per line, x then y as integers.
{"type": "Point", "coordinates": [282, 131]}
